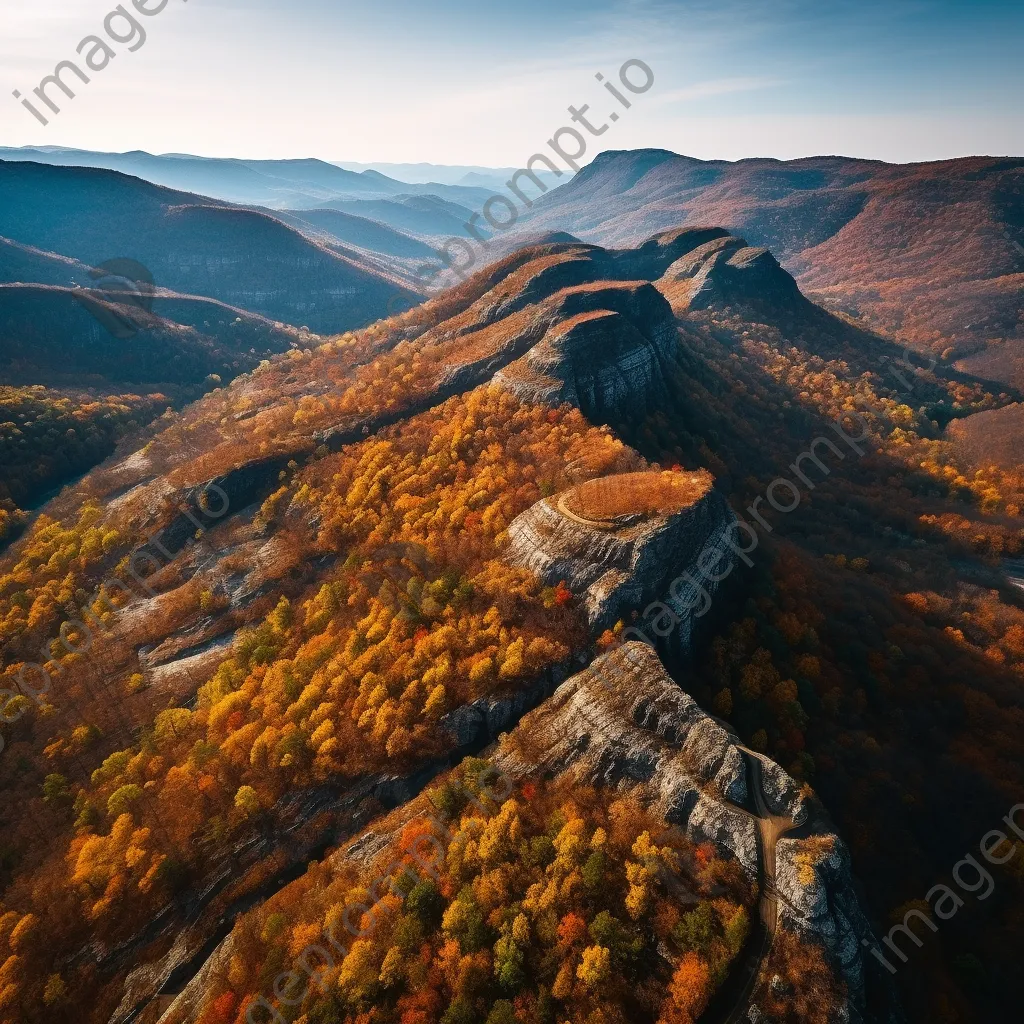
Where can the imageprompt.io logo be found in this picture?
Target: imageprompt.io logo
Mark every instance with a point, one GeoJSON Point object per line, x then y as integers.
{"type": "Point", "coordinates": [124, 288]}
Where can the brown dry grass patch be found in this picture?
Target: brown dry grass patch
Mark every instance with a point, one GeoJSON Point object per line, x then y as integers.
{"type": "Point", "coordinates": [609, 498]}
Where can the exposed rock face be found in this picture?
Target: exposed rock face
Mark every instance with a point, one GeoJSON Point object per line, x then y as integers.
{"type": "Point", "coordinates": [624, 724]}
{"type": "Point", "coordinates": [574, 323]}
{"type": "Point", "coordinates": [818, 900]}
{"type": "Point", "coordinates": [649, 261]}
{"type": "Point", "coordinates": [481, 722]}
{"type": "Point", "coordinates": [188, 1004]}
{"type": "Point", "coordinates": [724, 246]}
{"type": "Point", "coordinates": [606, 351]}
{"type": "Point", "coordinates": [725, 271]}
{"type": "Point", "coordinates": [625, 564]}
{"type": "Point", "coordinates": [565, 321]}
{"type": "Point", "coordinates": [567, 267]}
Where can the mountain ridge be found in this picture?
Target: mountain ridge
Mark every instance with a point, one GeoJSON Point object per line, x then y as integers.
{"type": "Point", "coordinates": [331, 609]}
{"type": "Point", "coordinates": [275, 183]}
{"type": "Point", "coordinates": [922, 252]}
{"type": "Point", "coordinates": [189, 243]}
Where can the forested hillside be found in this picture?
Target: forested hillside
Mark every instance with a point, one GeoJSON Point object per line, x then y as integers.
{"type": "Point", "coordinates": [243, 660]}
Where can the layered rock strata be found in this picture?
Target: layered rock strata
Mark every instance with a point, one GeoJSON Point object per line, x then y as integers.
{"type": "Point", "coordinates": [667, 557]}
{"type": "Point", "coordinates": [606, 349]}
{"type": "Point", "coordinates": [725, 271]}
{"type": "Point", "coordinates": [624, 724]}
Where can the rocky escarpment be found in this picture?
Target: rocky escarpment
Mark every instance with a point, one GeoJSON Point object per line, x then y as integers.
{"type": "Point", "coordinates": [650, 260]}
{"type": "Point", "coordinates": [622, 552]}
{"type": "Point", "coordinates": [607, 351]}
{"type": "Point", "coordinates": [623, 724]}
{"type": "Point", "coordinates": [554, 330]}
{"type": "Point", "coordinates": [817, 900]}
{"type": "Point", "coordinates": [568, 322]}
{"type": "Point", "coordinates": [725, 271]}
{"type": "Point", "coordinates": [572, 322]}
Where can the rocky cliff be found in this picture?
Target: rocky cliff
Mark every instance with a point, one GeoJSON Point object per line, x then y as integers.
{"type": "Point", "coordinates": [605, 352]}
{"type": "Point", "coordinates": [726, 271]}
{"type": "Point", "coordinates": [629, 541]}
{"type": "Point", "coordinates": [652, 258]}
{"type": "Point", "coordinates": [624, 724]}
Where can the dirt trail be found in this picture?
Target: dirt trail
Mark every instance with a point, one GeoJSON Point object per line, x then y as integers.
{"type": "Point", "coordinates": [731, 1005]}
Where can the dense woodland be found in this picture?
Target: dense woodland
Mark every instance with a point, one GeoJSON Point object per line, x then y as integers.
{"type": "Point", "coordinates": [871, 650]}
{"type": "Point", "coordinates": [352, 679]}
{"type": "Point", "coordinates": [47, 437]}
{"type": "Point", "coordinates": [548, 905]}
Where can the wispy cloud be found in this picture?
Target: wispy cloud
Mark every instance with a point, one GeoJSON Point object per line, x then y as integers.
{"type": "Point", "coordinates": [715, 87]}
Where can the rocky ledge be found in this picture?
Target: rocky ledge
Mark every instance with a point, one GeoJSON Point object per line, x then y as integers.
{"type": "Point", "coordinates": [623, 723]}
{"type": "Point", "coordinates": [726, 271]}
{"type": "Point", "coordinates": [627, 542]}
{"type": "Point", "coordinates": [606, 350]}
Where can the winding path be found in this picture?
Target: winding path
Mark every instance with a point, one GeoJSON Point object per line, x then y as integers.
{"type": "Point", "coordinates": [730, 1007]}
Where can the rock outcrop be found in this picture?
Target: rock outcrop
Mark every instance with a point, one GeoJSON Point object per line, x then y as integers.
{"type": "Point", "coordinates": [189, 1002]}
{"type": "Point", "coordinates": [817, 900]}
{"type": "Point", "coordinates": [649, 261]}
{"type": "Point", "coordinates": [624, 724]}
{"type": "Point", "coordinates": [725, 271]}
{"type": "Point", "coordinates": [606, 350]}
{"type": "Point", "coordinates": [572, 322]}
{"type": "Point", "coordinates": [627, 541]}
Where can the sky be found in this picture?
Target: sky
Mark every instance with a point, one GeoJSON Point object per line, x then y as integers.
{"type": "Point", "coordinates": [454, 81]}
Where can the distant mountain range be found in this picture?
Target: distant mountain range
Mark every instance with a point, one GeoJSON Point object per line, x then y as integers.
{"type": "Point", "coordinates": [192, 244]}
{"type": "Point", "coordinates": [232, 287]}
{"type": "Point", "coordinates": [928, 253]}
{"type": "Point", "coordinates": [452, 174]}
{"type": "Point", "coordinates": [427, 217]}
{"type": "Point", "coordinates": [388, 193]}
{"type": "Point", "coordinates": [278, 184]}
{"type": "Point", "coordinates": [376, 235]}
